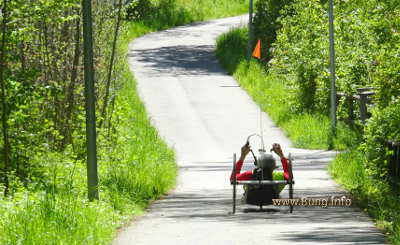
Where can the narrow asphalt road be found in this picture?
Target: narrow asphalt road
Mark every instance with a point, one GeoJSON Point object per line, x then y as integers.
{"type": "Point", "coordinates": [205, 116]}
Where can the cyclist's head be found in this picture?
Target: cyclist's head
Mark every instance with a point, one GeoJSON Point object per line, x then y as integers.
{"type": "Point", "coordinates": [267, 163]}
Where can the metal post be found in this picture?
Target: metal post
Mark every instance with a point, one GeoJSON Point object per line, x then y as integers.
{"type": "Point", "coordinates": [250, 36]}
{"type": "Point", "coordinates": [332, 70]}
{"type": "Point", "coordinates": [234, 185]}
{"type": "Point", "coordinates": [92, 177]}
{"type": "Point", "coordinates": [291, 181]}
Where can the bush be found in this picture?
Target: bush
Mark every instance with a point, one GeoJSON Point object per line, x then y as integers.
{"type": "Point", "coordinates": [382, 128]}
{"type": "Point", "coordinates": [266, 23]}
{"type": "Point", "coordinates": [367, 53]}
{"type": "Point", "coordinates": [138, 10]}
{"type": "Point", "coordinates": [301, 53]}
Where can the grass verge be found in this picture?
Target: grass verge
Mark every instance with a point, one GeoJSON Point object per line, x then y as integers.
{"type": "Point", "coordinates": [380, 200]}
{"type": "Point", "coordinates": [137, 168]}
{"type": "Point", "coordinates": [311, 131]}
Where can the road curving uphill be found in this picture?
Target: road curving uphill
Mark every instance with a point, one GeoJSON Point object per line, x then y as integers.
{"type": "Point", "coordinates": [205, 116]}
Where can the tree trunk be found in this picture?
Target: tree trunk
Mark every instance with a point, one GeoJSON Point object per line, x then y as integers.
{"type": "Point", "coordinates": [71, 87]}
{"type": "Point", "coordinates": [3, 66]}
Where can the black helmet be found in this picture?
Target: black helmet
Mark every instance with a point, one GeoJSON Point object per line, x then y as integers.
{"type": "Point", "coordinates": [266, 164]}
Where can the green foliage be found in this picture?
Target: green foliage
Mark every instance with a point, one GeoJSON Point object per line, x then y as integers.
{"type": "Point", "coordinates": [295, 90]}
{"type": "Point", "coordinates": [267, 23]}
{"type": "Point", "coordinates": [273, 94]}
{"type": "Point", "coordinates": [136, 166]}
{"type": "Point", "coordinates": [161, 14]}
{"type": "Point", "coordinates": [377, 198]}
{"type": "Point", "coordinates": [47, 201]}
{"type": "Point", "coordinates": [138, 10]}
{"type": "Point", "coordinates": [235, 39]}
{"type": "Point", "coordinates": [302, 54]}
{"type": "Point", "coordinates": [381, 129]}
{"type": "Point", "coordinates": [366, 51]}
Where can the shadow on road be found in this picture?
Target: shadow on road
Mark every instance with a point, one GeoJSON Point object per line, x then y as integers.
{"type": "Point", "coordinates": [180, 60]}
{"type": "Point", "coordinates": [329, 224]}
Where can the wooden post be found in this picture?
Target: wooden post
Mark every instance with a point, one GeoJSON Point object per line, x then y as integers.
{"type": "Point", "coordinates": [363, 108]}
{"type": "Point", "coordinates": [363, 101]}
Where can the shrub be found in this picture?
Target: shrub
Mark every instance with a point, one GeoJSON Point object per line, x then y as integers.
{"type": "Point", "coordinates": [138, 10]}
{"type": "Point", "coordinates": [301, 53]}
{"type": "Point", "coordinates": [266, 23]}
{"type": "Point", "coordinates": [382, 128]}
{"type": "Point", "coordinates": [367, 53]}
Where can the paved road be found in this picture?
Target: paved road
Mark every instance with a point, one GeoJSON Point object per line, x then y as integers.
{"type": "Point", "coordinates": [201, 112]}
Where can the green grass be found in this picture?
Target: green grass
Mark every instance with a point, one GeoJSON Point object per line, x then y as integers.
{"type": "Point", "coordinates": [306, 130]}
{"type": "Point", "coordinates": [311, 131]}
{"type": "Point", "coordinates": [378, 199]}
{"type": "Point", "coordinates": [178, 12]}
{"type": "Point", "coordinates": [206, 9]}
{"type": "Point", "coordinates": [137, 168]}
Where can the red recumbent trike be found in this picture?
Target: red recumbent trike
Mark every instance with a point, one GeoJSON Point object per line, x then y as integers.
{"type": "Point", "coordinates": [261, 190]}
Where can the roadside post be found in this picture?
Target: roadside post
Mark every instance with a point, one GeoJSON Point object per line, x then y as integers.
{"type": "Point", "coordinates": [333, 75]}
{"type": "Point", "coordinates": [92, 176]}
{"type": "Point", "coordinates": [250, 35]}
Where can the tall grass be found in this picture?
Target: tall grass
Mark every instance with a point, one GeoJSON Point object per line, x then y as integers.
{"type": "Point", "coordinates": [137, 168]}
{"type": "Point", "coordinates": [306, 130]}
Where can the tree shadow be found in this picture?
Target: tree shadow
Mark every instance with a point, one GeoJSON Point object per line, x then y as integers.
{"type": "Point", "coordinates": [312, 224]}
{"type": "Point", "coordinates": [180, 60]}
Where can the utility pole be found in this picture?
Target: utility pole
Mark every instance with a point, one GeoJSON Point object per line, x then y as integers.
{"type": "Point", "coordinates": [250, 37]}
{"type": "Point", "coordinates": [3, 98]}
{"type": "Point", "coordinates": [332, 70]}
{"type": "Point", "coordinates": [92, 177]}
